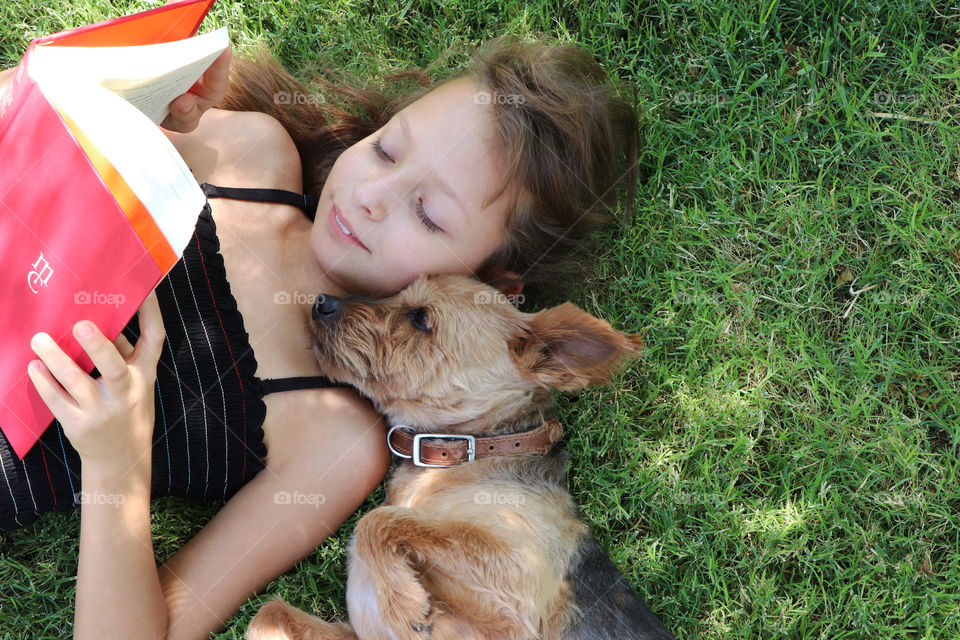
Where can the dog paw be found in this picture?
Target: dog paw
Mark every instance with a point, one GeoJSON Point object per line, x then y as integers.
{"type": "Point", "coordinates": [272, 622]}
{"type": "Point", "coordinates": [422, 628]}
{"type": "Point", "coordinates": [277, 620]}
{"type": "Point", "coordinates": [412, 617]}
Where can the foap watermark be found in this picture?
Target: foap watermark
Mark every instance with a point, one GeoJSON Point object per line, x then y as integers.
{"type": "Point", "coordinates": [495, 97]}
{"type": "Point", "coordinates": [95, 497]}
{"type": "Point", "coordinates": [894, 499]}
{"type": "Point", "coordinates": [697, 97]}
{"type": "Point", "coordinates": [699, 299]}
{"type": "Point", "coordinates": [499, 498]}
{"type": "Point", "coordinates": [496, 297]}
{"type": "Point", "coordinates": [297, 498]}
{"type": "Point", "coordinates": [295, 297]}
{"type": "Point", "coordinates": [892, 97]}
{"type": "Point", "coordinates": [98, 297]}
{"type": "Point", "coordinates": [698, 497]}
{"type": "Point", "coordinates": [297, 97]}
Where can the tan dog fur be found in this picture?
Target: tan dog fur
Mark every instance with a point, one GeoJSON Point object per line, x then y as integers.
{"type": "Point", "coordinates": [487, 549]}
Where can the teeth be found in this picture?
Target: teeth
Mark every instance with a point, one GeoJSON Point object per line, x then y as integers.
{"type": "Point", "coordinates": [342, 226]}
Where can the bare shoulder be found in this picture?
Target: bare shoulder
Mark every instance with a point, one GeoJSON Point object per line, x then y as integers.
{"type": "Point", "coordinates": [240, 148]}
{"type": "Point", "coordinates": [336, 418]}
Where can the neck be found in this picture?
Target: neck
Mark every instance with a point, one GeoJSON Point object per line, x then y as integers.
{"type": "Point", "coordinates": [305, 274]}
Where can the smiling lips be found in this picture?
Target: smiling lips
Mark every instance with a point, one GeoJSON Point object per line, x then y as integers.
{"type": "Point", "coordinates": [343, 229]}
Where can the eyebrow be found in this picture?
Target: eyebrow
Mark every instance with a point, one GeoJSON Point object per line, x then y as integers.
{"type": "Point", "coordinates": [444, 187]}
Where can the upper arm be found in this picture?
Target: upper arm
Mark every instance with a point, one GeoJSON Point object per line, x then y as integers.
{"type": "Point", "coordinates": [240, 148]}
{"type": "Point", "coordinates": [274, 521]}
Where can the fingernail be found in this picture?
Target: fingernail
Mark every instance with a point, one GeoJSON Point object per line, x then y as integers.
{"type": "Point", "coordinates": [39, 340]}
{"type": "Point", "coordinates": [34, 366]}
{"type": "Point", "coordinates": [84, 330]}
{"type": "Point", "coordinates": [185, 108]}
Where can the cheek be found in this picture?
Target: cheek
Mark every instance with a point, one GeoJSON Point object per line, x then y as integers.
{"type": "Point", "coordinates": [347, 164]}
{"type": "Point", "coordinates": [404, 266]}
{"type": "Point", "coordinates": [415, 253]}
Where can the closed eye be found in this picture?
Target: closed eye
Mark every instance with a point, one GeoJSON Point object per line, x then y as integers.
{"type": "Point", "coordinates": [378, 149]}
{"type": "Point", "coordinates": [427, 222]}
{"type": "Point", "coordinates": [431, 226]}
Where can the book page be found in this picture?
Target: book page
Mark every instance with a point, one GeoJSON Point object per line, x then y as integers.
{"type": "Point", "coordinates": [149, 77]}
{"type": "Point", "coordinates": [153, 96]}
{"type": "Point", "coordinates": [139, 151]}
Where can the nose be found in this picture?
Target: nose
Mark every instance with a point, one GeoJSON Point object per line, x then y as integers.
{"type": "Point", "coordinates": [378, 193]}
{"type": "Point", "coordinates": [369, 203]}
{"type": "Point", "coordinates": [326, 307]}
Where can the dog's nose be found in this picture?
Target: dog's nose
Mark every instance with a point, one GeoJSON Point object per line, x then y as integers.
{"type": "Point", "coordinates": [326, 307]}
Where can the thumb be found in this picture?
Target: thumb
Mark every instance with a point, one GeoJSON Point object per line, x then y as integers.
{"type": "Point", "coordinates": [184, 115]}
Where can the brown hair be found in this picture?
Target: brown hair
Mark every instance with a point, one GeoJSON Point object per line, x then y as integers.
{"type": "Point", "coordinates": [566, 133]}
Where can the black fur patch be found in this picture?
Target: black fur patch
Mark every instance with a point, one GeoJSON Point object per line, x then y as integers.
{"type": "Point", "coordinates": [609, 607]}
{"type": "Point", "coordinates": [549, 469]}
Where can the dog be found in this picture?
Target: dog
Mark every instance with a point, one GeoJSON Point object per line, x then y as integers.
{"type": "Point", "coordinates": [490, 544]}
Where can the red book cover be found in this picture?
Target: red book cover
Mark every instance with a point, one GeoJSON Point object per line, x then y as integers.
{"type": "Point", "coordinates": [79, 239]}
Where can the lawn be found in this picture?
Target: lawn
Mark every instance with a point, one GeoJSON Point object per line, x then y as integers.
{"type": "Point", "coordinates": [783, 462]}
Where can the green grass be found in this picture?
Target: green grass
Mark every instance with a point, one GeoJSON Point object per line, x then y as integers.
{"type": "Point", "coordinates": [783, 463]}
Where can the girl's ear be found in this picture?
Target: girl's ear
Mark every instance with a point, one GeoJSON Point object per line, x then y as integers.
{"type": "Point", "coordinates": [565, 348]}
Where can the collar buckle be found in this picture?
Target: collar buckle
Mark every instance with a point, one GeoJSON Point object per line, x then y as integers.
{"type": "Point", "coordinates": [418, 439]}
{"type": "Point", "coordinates": [394, 451]}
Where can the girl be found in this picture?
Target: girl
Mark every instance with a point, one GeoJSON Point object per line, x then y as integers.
{"type": "Point", "coordinates": [499, 172]}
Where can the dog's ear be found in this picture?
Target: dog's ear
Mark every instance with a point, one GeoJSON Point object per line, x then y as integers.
{"type": "Point", "coordinates": [565, 348]}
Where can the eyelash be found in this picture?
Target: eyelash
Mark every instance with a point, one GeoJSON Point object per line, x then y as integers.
{"type": "Point", "coordinates": [378, 149]}
{"type": "Point", "coordinates": [431, 226]}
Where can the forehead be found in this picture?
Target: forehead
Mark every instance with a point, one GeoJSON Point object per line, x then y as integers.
{"type": "Point", "coordinates": [454, 138]}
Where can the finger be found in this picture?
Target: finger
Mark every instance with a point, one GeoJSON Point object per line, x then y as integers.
{"type": "Point", "coordinates": [123, 346]}
{"type": "Point", "coordinates": [71, 377]}
{"type": "Point", "coordinates": [152, 332]}
{"type": "Point", "coordinates": [185, 110]}
{"type": "Point", "coordinates": [213, 84]}
{"type": "Point", "coordinates": [184, 114]}
{"type": "Point", "coordinates": [57, 399]}
{"type": "Point", "coordinates": [106, 358]}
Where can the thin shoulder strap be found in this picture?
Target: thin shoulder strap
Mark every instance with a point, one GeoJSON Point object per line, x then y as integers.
{"type": "Point", "coordinates": [278, 196]}
{"type": "Point", "coordinates": [273, 385]}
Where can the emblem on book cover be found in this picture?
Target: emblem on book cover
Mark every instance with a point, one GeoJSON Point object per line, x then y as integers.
{"type": "Point", "coordinates": [41, 273]}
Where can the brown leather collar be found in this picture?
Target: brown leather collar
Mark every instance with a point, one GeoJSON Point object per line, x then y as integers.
{"type": "Point", "coordinates": [425, 451]}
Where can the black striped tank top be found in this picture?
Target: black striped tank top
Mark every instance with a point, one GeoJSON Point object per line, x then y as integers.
{"type": "Point", "coordinates": [208, 435]}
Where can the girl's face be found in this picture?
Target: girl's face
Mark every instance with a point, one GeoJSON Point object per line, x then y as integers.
{"type": "Point", "coordinates": [412, 198]}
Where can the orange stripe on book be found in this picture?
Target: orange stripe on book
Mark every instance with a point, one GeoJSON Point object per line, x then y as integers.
{"type": "Point", "coordinates": [153, 26]}
{"type": "Point", "coordinates": [137, 214]}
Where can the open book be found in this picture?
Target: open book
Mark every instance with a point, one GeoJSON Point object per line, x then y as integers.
{"type": "Point", "coordinates": [149, 76]}
{"type": "Point", "coordinates": [96, 205]}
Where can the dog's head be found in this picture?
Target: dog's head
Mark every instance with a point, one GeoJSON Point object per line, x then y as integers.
{"type": "Point", "coordinates": [449, 350]}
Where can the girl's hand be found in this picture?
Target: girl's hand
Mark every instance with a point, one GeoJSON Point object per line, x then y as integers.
{"type": "Point", "coordinates": [185, 110]}
{"type": "Point", "coordinates": [108, 420]}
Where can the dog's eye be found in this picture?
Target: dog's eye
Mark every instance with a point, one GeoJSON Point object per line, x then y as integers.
{"type": "Point", "coordinates": [420, 320]}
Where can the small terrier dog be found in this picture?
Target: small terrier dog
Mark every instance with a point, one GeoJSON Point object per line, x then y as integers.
{"type": "Point", "coordinates": [492, 547]}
